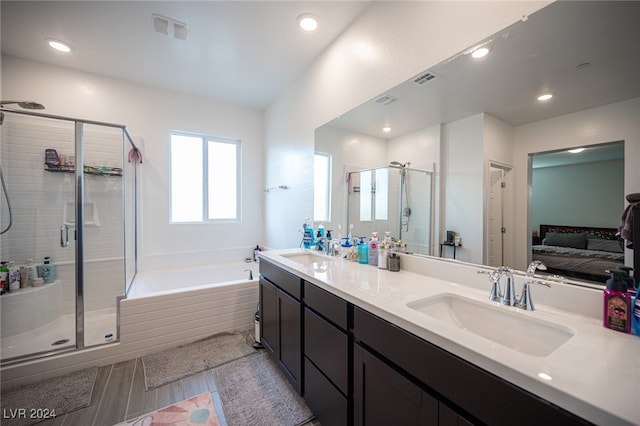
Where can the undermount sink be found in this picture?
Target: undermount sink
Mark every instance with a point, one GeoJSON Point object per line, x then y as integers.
{"type": "Point", "coordinates": [498, 324]}
{"type": "Point", "coordinates": [307, 258]}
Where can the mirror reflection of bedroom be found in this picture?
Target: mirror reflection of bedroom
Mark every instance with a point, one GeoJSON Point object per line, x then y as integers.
{"type": "Point", "coordinates": [577, 199]}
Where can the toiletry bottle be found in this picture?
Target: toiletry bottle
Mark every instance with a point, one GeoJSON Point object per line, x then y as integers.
{"type": "Point", "coordinates": [47, 271]}
{"type": "Point", "coordinates": [14, 277]}
{"type": "Point", "coordinates": [321, 230]}
{"type": "Point", "coordinates": [617, 303]}
{"type": "Point", "coordinates": [635, 313]}
{"type": "Point", "coordinates": [373, 249]}
{"type": "Point", "coordinates": [307, 239]}
{"type": "Point", "coordinates": [33, 270]}
{"type": "Point", "coordinates": [319, 241]}
{"type": "Point", "coordinates": [394, 262]}
{"type": "Point", "coordinates": [4, 277]}
{"type": "Point", "coordinates": [363, 252]}
{"type": "Point", "coordinates": [256, 251]}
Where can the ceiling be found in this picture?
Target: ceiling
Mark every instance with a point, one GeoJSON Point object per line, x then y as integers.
{"type": "Point", "coordinates": [544, 53]}
{"type": "Point", "coordinates": [240, 52]}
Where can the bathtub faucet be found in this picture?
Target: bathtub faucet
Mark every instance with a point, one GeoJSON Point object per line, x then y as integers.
{"type": "Point", "coordinates": [250, 273]}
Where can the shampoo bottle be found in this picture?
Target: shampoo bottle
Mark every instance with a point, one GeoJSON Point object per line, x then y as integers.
{"type": "Point", "coordinates": [617, 303]}
{"type": "Point", "coordinates": [4, 277]}
{"type": "Point", "coordinates": [363, 252]}
{"type": "Point", "coordinates": [47, 271]}
{"type": "Point", "coordinates": [373, 249]}
{"type": "Point", "coordinates": [14, 277]}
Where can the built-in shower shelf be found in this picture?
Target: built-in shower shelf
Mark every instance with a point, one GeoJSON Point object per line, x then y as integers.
{"type": "Point", "coordinates": [88, 170]}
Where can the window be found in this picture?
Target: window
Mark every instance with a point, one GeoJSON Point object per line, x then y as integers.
{"type": "Point", "coordinates": [205, 183]}
{"type": "Point", "coordinates": [322, 187]}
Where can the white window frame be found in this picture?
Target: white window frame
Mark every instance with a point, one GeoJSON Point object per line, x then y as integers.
{"type": "Point", "coordinates": [205, 140]}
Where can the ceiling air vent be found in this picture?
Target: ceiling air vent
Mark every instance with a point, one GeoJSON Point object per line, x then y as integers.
{"type": "Point", "coordinates": [385, 100]}
{"type": "Point", "coordinates": [424, 78]}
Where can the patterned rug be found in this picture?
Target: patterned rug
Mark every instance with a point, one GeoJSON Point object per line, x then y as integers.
{"type": "Point", "coordinates": [193, 411]}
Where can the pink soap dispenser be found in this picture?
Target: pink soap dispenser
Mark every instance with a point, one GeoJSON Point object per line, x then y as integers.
{"type": "Point", "coordinates": [617, 303]}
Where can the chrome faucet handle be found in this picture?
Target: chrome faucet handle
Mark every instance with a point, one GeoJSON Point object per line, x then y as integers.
{"type": "Point", "coordinates": [525, 298]}
{"type": "Point", "coordinates": [494, 276]}
{"type": "Point", "coordinates": [509, 296]}
{"type": "Point", "coordinates": [494, 296]}
{"type": "Point", "coordinates": [536, 264]}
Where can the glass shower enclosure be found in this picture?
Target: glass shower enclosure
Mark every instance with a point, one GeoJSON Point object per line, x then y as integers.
{"type": "Point", "coordinates": [68, 216]}
{"type": "Point", "coordinates": [392, 198]}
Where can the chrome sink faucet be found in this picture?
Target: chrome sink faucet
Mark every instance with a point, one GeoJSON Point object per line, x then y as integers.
{"type": "Point", "coordinates": [509, 296]}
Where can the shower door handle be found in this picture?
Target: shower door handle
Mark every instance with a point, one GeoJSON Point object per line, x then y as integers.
{"type": "Point", "coordinates": [64, 236]}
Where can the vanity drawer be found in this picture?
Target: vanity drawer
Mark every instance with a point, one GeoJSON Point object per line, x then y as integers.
{"type": "Point", "coordinates": [328, 348]}
{"type": "Point", "coordinates": [281, 278]}
{"type": "Point", "coordinates": [326, 304]}
{"type": "Point", "coordinates": [328, 405]}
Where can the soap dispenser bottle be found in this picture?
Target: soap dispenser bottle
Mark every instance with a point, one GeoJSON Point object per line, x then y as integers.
{"type": "Point", "coordinates": [47, 271]}
{"type": "Point", "coordinates": [363, 252]}
{"type": "Point", "coordinates": [373, 249]}
{"type": "Point", "coordinates": [617, 303]}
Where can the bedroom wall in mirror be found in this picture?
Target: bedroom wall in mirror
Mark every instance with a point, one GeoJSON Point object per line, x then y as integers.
{"type": "Point", "coordinates": [463, 116]}
{"type": "Point", "coordinates": [577, 196]}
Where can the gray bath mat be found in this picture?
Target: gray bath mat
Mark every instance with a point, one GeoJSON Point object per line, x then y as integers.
{"type": "Point", "coordinates": [176, 363]}
{"type": "Point", "coordinates": [254, 392]}
{"type": "Point", "coordinates": [35, 402]}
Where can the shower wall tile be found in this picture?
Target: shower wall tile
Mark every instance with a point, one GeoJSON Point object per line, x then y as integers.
{"type": "Point", "coordinates": [40, 199]}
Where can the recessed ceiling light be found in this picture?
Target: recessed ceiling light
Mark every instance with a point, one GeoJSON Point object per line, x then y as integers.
{"type": "Point", "coordinates": [386, 129]}
{"type": "Point", "coordinates": [480, 53]}
{"type": "Point", "coordinates": [545, 97]}
{"type": "Point", "coordinates": [576, 150]}
{"type": "Point", "coordinates": [59, 45]}
{"type": "Point", "coordinates": [307, 21]}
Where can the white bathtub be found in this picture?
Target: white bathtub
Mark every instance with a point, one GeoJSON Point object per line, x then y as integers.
{"type": "Point", "coordinates": [170, 307]}
{"type": "Point", "coordinates": [171, 281]}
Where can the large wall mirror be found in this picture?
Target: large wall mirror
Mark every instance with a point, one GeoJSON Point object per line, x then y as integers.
{"type": "Point", "coordinates": [477, 124]}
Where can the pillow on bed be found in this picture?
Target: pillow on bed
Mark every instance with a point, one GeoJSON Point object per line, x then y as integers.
{"type": "Point", "coordinates": [604, 245]}
{"type": "Point", "coordinates": [573, 240]}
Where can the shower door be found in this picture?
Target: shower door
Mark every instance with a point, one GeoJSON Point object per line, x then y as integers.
{"type": "Point", "coordinates": [41, 199]}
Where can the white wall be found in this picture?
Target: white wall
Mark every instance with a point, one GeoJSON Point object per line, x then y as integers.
{"type": "Point", "coordinates": [609, 123]}
{"type": "Point", "coordinates": [388, 44]}
{"type": "Point", "coordinates": [150, 114]}
{"type": "Point", "coordinates": [462, 164]}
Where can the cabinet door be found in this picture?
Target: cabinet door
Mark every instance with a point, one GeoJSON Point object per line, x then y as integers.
{"type": "Point", "coordinates": [382, 396]}
{"type": "Point", "coordinates": [268, 316]}
{"type": "Point", "coordinates": [290, 337]}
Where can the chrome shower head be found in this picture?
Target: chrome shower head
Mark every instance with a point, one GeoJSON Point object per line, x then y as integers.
{"type": "Point", "coordinates": [396, 163]}
{"type": "Point", "coordinates": [24, 104]}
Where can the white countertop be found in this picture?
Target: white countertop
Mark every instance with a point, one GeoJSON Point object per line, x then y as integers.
{"type": "Point", "coordinates": [595, 375]}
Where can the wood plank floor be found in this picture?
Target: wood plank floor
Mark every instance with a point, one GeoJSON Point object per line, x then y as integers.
{"type": "Point", "coordinates": [119, 394]}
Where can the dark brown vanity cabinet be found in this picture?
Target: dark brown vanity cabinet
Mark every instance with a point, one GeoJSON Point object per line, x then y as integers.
{"type": "Point", "coordinates": [389, 357]}
{"type": "Point", "coordinates": [327, 383]}
{"type": "Point", "coordinates": [281, 319]}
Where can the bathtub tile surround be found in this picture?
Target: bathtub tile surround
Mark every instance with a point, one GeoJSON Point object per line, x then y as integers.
{"type": "Point", "coordinates": [165, 319]}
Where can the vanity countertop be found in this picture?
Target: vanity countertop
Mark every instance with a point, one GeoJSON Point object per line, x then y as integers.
{"type": "Point", "coordinates": [595, 374]}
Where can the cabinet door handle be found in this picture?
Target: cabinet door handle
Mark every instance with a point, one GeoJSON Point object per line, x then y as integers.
{"type": "Point", "coordinates": [64, 236]}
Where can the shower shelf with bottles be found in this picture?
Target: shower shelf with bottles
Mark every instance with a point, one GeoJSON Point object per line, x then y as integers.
{"type": "Point", "coordinates": [89, 170]}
